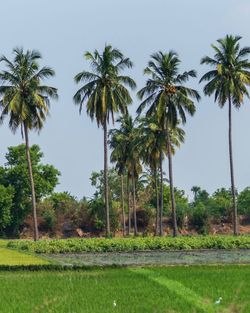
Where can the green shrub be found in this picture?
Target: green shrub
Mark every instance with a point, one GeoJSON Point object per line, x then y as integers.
{"type": "Point", "coordinates": [199, 218]}
{"type": "Point", "coordinates": [6, 204]}
{"type": "Point", "coordinates": [49, 218]}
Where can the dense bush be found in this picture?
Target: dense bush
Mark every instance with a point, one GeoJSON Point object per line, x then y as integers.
{"type": "Point", "coordinates": [244, 201]}
{"type": "Point", "coordinates": [49, 219]}
{"type": "Point", "coordinates": [15, 178]}
{"type": "Point", "coordinates": [199, 218]}
{"type": "Point", "coordinates": [220, 204]}
{"type": "Point", "coordinates": [96, 211]}
{"type": "Point", "coordinates": [143, 218]}
{"type": "Point", "coordinates": [132, 244]}
{"type": "Point", "coordinates": [6, 204]}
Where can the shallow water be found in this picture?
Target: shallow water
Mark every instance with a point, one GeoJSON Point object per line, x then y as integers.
{"type": "Point", "coordinates": [154, 258]}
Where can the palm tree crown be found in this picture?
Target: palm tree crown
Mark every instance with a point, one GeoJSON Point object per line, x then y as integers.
{"type": "Point", "coordinates": [23, 97]}
{"type": "Point", "coordinates": [104, 91]}
{"type": "Point", "coordinates": [164, 92]}
{"type": "Point", "coordinates": [153, 139]}
{"type": "Point", "coordinates": [230, 74]}
{"type": "Point", "coordinates": [125, 143]}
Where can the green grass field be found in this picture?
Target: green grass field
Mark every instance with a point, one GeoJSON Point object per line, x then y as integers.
{"type": "Point", "coordinates": [172, 289]}
{"type": "Point", "coordinates": [9, 257]}
{"type": "Point", "coordinates": [154, 290]}
{"type": "Point", "coordinates": [12, 257]}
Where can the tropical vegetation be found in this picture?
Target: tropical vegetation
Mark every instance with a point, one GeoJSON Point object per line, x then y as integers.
{"type": "Point", "coordinates": [135, 195]}
{"type": "Point", "coordinates": [105, 94]}
{"type": "Point", "coordinates": [76, 245]}
{"type": "Point", "coordinates": [25, 101]}
{"type": "Point", "coordinates": [169, 100]}
{"type": "Point", "coordinates": [228, 81]}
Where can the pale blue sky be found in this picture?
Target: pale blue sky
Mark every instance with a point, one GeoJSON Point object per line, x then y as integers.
{"type": "Point", "coordinates": [63, 30]}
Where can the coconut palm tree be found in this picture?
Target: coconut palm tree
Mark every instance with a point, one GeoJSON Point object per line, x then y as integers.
{"type": "Point", "coordinates": [170, 100]}
{"type": "Point", "coordinates": [104, 93]}
{"type": "Point", "coordinates": [117, 157]}
{"type": "Point", "coordinates": [153, 140]}
{"type": "Point", "coordinates": [154, 143]}
{"type": "Point", "coordinates": [228, 80]}
{"type": "Point", "coordinates": [175, 136]}
{"type": "Point", "coordinates": [127, 135]}
{"type": "Point", "coordinates": [25, 100]}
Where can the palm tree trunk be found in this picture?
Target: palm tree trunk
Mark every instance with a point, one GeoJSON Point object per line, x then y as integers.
{"type": "Point", "coordinates": [171, 184]}
{"type": "Point", "coordinates": [235, 215]}
{"type": "Point", "coordinates": [129, 215]}
{"type": "Point", "coordinates": [157, 203]}
{"type": "Point", "coordinates": [33, 194]}
{"type": "Point", "coordinates": [123, 210]}
{"type": "Point", "coordinates": [161, 196]}
{"type": "Point", "coordinates": [106, 187]}
{"type": "Point", "coordinates": [134, 206]}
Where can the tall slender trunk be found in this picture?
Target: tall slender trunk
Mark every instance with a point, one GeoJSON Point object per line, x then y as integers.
{"type": "Point", "coordinates": [157, 202]}
{"type": "Point", "coordinates": [106, 187]}
{"type": "Point", "coordinates": [123, 210]}
{"type": "Point", "coordinates": [235, 215]}
{"type": "Point", "coordinates": [129, 215]}
{"type": "Point", "coordinates": [134, 206]}
{"type": "Point", "coordinates": [161, 196]}
{"type": "Point", "coordinates": [171, 184]}
{"type": "Point", "coordinates": [33, 194]}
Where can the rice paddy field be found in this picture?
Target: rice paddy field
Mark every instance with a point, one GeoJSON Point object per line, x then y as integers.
{"type": "Point", "coordinates": [16, 258]}
{"type": "Point", "coordinates": [192, 289]}
{"type": "Point", "coordinates": [150, 282]}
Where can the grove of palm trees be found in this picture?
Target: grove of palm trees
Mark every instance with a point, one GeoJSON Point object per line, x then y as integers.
{"type": "Point", "coordinates": [132, 144]}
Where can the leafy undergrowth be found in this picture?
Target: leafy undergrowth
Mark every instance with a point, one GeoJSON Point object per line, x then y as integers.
{"type": "Point", "coordinates": [131, 244]}
{"type": "Point", "coordinates": [191, 289]}
{"type": "Point", "coordinates": [13, 258]}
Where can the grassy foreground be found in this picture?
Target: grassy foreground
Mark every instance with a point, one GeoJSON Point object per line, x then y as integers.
{"type": "Point", "coordinates": [131, 244]}
{"type": "Point", "coordinates": [149, 290]}
{"type": "Point", "coordinates": [12, 258]}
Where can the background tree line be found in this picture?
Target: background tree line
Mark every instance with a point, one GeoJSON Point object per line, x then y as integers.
{"type": "Point", "coordinates": [61, 214]}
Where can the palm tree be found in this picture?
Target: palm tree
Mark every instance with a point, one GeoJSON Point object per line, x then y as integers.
{"type": "Point", "coordinates": [26, 101]}
{"type": "Point", "coordinates": [127, 135]}
{"type": "Point", "coordinates": [104, 92]}
{"type": "Point", "coordinates": [228, 81]}
{"type": "Point", "coordinates": [195, 190]}
{"type": "Point", "coordinates": [153, 142]}
{"type": "Point", "coordinates": [153, 139]}
{"type": "Point", "coordinates": [117, 157]}
{"type": "Point", "coordinates": [170, 100]}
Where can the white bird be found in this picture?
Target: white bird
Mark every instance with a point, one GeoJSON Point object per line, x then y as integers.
{"type": "Point", "coordinates": [114, 303]}
{"type": "Point", "coordinates": [218, 301]}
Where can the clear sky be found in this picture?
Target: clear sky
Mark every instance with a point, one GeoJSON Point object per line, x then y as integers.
{"type": "Point", "coordinates": [63, 30]}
